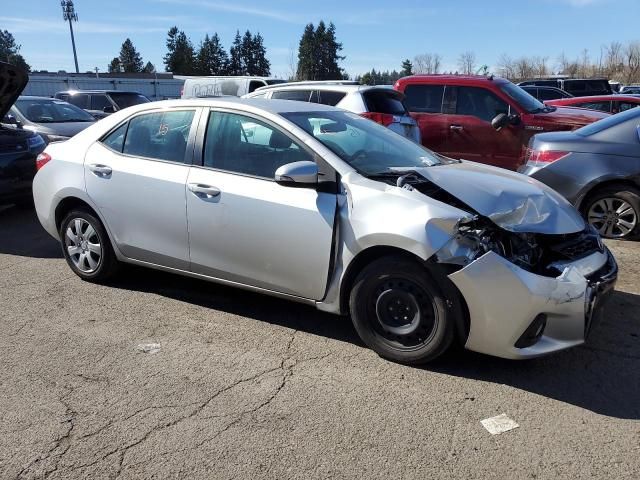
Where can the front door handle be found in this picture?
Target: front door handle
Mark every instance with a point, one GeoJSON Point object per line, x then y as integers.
{"type": "Point", "coordinates": [457, 128]}
{"type": "Point", "coordinates": [100, 170]}
{"type": "Point", "coordinates": [208, 190]}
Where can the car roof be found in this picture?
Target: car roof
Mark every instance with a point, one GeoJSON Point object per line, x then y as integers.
{"type": "Point", "coordinates": [73, 92]}
{"type": "Point", "coordinates": [275, 106]}
{"type": "Point", "coordinates": [335, 87]}
{"type": "Point", "coordinates": [602, 98]}
{"type": "Point", "coordinates": [37, 97]}
{"type": "Point", "coordinates": [439, 78]}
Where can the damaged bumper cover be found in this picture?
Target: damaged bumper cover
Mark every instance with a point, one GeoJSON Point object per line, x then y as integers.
{"type": "Point", "coordinates": [506, 302]}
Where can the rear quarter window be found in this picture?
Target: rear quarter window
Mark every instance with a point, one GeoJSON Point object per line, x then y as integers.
{"type": "Point", "coordinates": [384, 102]}
{"type": "Point", "coordinates": [329, 97]}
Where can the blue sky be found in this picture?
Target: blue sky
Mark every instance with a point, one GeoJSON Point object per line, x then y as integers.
{"type": "Point", "coordinates": [375, 33]}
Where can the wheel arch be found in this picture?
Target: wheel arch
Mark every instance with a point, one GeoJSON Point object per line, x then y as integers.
{"type": "Point", "coordinates": [594, 187]}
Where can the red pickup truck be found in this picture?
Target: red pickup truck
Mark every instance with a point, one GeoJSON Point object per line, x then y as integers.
{"type": "Point", "coordinates": [484, 119]}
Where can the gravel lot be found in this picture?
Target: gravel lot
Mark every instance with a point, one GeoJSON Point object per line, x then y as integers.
{"type": "Point", "coordinates": [245, 386]}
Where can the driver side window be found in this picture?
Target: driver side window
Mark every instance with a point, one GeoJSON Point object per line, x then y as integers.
{"type": "Point", "coordinates": [245, 145]}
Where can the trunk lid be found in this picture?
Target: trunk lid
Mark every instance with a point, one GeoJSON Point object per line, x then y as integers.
{"type": "Point", "coordinates": [12, 82]}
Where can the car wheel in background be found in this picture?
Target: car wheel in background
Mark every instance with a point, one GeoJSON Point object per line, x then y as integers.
{"type": "Point", "coordinates": [399, 312]}
{"type": "Point", "coordinates": [614, 211]}
{"type": "Point", "coordinates": [86, 246]}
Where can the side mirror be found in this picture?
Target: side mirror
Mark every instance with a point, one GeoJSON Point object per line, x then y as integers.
{"type": "Point", "coordinates": [303, 173]}
{"type": "Point", "coordinates": [109, 109]}
{"type": "Point", "coordinates": [10, 120]}
{"type": "Point", "coordinates": [499, 121]}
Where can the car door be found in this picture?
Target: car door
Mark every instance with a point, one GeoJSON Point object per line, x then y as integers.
{"type": "Point", "coordinates": [470, 135]}
{"type": "Point", "coordinates": [246, 228]}
{"type": "Point", "coordinates": [424, 103]}
{"type": "Point", "coordinates": [136, 176]}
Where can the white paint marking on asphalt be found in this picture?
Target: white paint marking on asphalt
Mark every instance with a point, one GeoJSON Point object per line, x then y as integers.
{"type": "Point", "coordinates": [499, 424]}
{"type": "Point", "coordinates": [148, 347]}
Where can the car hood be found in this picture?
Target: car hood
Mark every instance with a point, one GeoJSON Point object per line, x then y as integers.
{"type": "Point", "coordinates": [12, 81]}
{"type": "Point", "coordinates": [512, 201]}
{"type": "Point", "coordinates": [65, 129]}
{"type": "Point", "coordinates": [572, 116]}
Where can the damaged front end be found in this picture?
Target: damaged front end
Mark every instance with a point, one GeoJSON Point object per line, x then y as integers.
{"type": "Point", "coordinates": [527, 294]}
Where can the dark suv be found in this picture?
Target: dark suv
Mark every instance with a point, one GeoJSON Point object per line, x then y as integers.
{"type": "Point", "coordinates": [483, 119]}
{"type": "Point", "coordinates": [578, 87]}
{"type": "Point", "coordinates": [19, 147]}
{"type": "Point", "coordinates": [101, 103]}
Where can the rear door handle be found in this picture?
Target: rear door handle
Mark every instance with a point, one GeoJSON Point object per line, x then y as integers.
{"type": "Point", "coordinates": [208, 190]}
{"type": "Point", "coordinates": [100, 170]}
{"type": "Point", "coordinates": [457, 128]}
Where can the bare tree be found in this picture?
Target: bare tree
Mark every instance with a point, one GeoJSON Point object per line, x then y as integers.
{"type": "Point", "coordinates": [427, 63]}
{"type": "Point", "coordinates": [539, 65]}
{"type": "Point", "coordinates": [584, 68]}
{"type": "Point", "coordinates": [566, 66]}
{"type": "Point", "coordinates": [467, 63]}
{"type": "Point", "coordinates": [613, 60]}
{"type": "Point", "coordinates": [632, 53]}
{"type": "Point", "coordinates": [506, 67]}
{"type": "Point", "coordinates": [293, 64]}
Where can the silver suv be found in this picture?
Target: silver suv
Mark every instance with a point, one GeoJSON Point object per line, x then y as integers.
{"type": "Point", "coordinates": [381, 104]}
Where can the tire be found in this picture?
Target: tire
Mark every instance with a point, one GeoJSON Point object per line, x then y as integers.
{"type": "Point", "coordinates": [392, 283]}
{"type": "Point", "coordinates": [90, 254]}
{"type": "Point", "coordinates": [614, 211]}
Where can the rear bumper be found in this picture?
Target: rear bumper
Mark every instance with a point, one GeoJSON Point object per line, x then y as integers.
{"type": "Point", "coordinates": [504, 301]}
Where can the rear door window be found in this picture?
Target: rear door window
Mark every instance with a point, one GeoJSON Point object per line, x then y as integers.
{"type": "Point", "coordinates": [80, 100]}
{"type": "Point", "coordinates": [115, 140]}
{"type": "Point", "coordinates": [328, 97]}
{"type": "Point", "coordinates": [159, 135]}
{"type": "Point", "coordinates": [298, 95]}
{"type": "Point", "coordinates": [480, 103]}
{"type": "Point", "coordinates": [384, 102]}
{"type": "Point", "coordinates": [424, 98]}
{"type": "Point", "coordinates": [627, 105]}
{"type": "Point", "coordinates": [547, 94]}
{"type": "Point", "coordinates": [99, 102]}
{"type": "Point", "coordinates": [256, 84]}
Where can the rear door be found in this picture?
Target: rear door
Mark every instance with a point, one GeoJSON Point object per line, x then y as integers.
{"type": "Point", "coordinates": [246, 228]}
{"type": "Point", "coordinates": [136, 176]}
{"type": "Point", "coordinates": [470, 135]}
{"type": "Point", "coordinates": [424, 102]}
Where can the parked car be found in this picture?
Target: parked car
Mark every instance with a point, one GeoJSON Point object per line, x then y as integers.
{"type": "Point", "coordinates": [597, 168]}
{"type": "Point", "coordinates": [578, 87]}
{"type": "Point", "coordinates": [604, 103]}
{"type": "Point", "coordinates": [19, 147]}
{"type": "Point", "coordinates": [101, 103]}
{"type": "Point", "coordinates": [55, 120]}
{"type": "Point", "coordinates": [315, 204]}
{"type": "Point", "coordinates": [630, 90]}
{"type": "Point", "coordinates": [201, 87]}
{"type": "Point", "coordinates": [484, 119]}
{"type": "Point", "coordinates": [380, 104]}
{"type": "Point", "coordinates": [546, 93]}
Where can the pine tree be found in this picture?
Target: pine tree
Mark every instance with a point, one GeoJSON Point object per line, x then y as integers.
{"type": "Point", "coordinates": [9, 51]}
{"type": "Point", "coordinates": [262, 64]}
{"type": "Point", "coordinates": [330, 48]}
{"type": "Point", "coordinates": [212, 58]}
{"type": "Point", "coordinates": [236, 65]}
{"type": "Point", "coordinates": [114, 66]}
{"type": "Point", "coordinates": [246, 53]}
{"type": "Point", "coordinates": [149, 68]}
{"type": "Point", "coordinates": [180, 57]}
{"type": "Point", "coordinates": [407, 68]}
{"type": "Point", "coordinates": [306, 54]}
{"type": "Point", "coordinates": [130, 59]}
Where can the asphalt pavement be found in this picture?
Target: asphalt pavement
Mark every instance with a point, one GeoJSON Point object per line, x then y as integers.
{"type": "Point", "coordinates": [160, 376]}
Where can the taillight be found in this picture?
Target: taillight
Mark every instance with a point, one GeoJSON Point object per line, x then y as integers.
{"type": "Point", "coordinates": [541, 158]}
{"type": "Point", "coordinates": [385, 119]}
{"type": "Point", "coordinates": [42, 160]}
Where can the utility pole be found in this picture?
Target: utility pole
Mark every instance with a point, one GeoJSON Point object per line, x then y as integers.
{"type": "Point", "coordinates": [69, 14]}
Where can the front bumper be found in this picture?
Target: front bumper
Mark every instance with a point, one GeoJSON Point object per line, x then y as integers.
{"type": "Point", "coordinates": [504, 300]}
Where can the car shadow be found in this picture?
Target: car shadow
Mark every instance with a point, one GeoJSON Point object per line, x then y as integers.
{"type": "Point", "coordinates": [21, 234]}
{"type": "Point", "coordinates": [602, 376]}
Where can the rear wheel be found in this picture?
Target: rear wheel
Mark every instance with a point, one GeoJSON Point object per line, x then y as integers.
{"type": "Point", "coordinates": [614, 211]}
{"type": "Point", "coordinates": [399, 312]}
{"type": "Point", "coordinates": [86, 246]}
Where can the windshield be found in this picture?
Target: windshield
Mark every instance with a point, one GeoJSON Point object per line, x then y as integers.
{"type": "Point", "coordinates": [124, 100]}
{"type": "Point", "coordinates": [530, 103]}
{"type": "Point", "coordinates": [368, 147]}
{"type": "Point", "coordinates": [611, 121]}
{"type": "Point", "coordinates": [44, 110]}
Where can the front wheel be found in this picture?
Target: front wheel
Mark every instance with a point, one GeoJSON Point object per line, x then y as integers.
{"type": "Point", "coordinates": [399, 312]}
{"type": "Point", "coordinates": [615, 212]}
{"type": "Point", "coordinates": [86, 246]}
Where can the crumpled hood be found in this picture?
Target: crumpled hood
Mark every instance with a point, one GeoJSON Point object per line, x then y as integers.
{"type": "Point", "coordinates": [515, 202]}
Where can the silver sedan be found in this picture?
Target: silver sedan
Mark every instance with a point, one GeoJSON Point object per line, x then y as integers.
{"type": "Point", "coordinates": [321, 206]}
